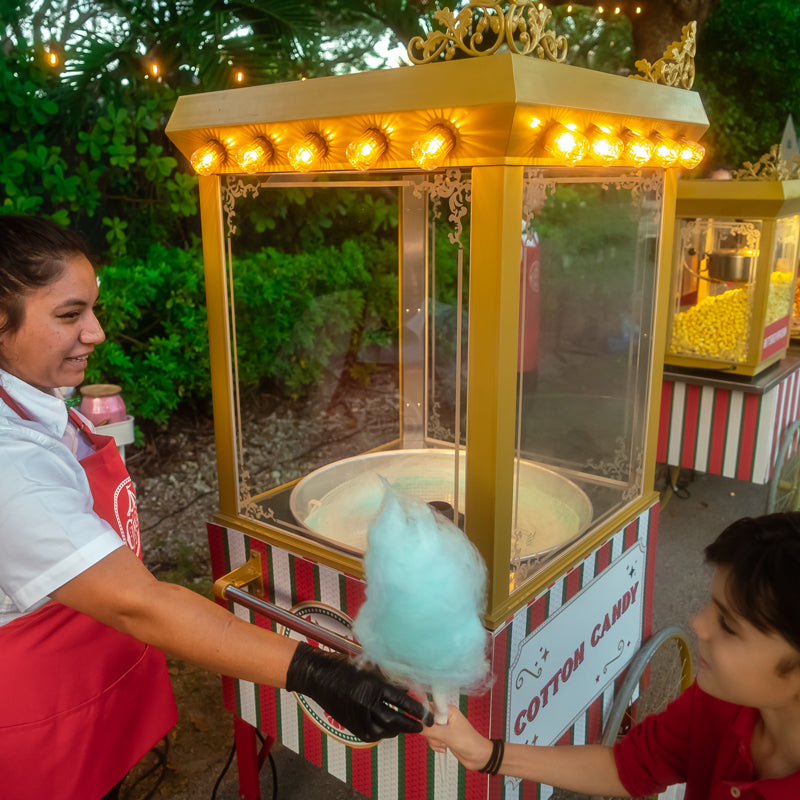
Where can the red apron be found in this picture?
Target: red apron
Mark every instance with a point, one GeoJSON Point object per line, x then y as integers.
{"type": "Point", "coordinates": [80, 703]}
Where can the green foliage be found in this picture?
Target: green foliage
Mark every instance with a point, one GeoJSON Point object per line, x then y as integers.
{"type": "Point", "coordinates": [594, 41]}
{"type": "Point", "coordinates": [747, 56]}
{"type": "Point", "coordinates": [156, 348]}
{"type": "Point", "coordinates": [294, 313]}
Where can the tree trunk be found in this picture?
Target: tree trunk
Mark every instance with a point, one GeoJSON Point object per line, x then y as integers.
{"type": "Point", "coordinates": [661, 22]}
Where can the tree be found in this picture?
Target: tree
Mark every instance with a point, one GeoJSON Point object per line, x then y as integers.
{"type": "Point", "coordinates": [662, 21]}
{"type": "Point", "coordinates": [747, 75]}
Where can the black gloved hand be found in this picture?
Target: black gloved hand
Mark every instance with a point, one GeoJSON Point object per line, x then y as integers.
{"type": "Point", "coordinates": [359, 699]}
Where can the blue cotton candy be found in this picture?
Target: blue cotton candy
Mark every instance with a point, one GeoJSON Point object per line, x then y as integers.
{"type": "Point", "coordinates": [426, 594]}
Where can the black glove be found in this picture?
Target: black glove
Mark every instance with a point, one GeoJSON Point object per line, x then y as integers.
{"type": "Point", "coordinates": [359, 699]}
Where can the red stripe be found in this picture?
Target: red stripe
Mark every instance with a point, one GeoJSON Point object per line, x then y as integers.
{"type": "Point", "coordinates": [594, 722]}
{"type": "Point", "coordinates": [268, 705]}
{"type": "Point", "coordinates": [312, 741]}
{"type": "Point", "coordinates": [747, 438]}
{"type": "Point", "coordinates": [631, 535]}
{"type": "Point", "coordinates": [650, 570]}
{"type": "Point", "coordinates": [667, 390]}
{"type": "Point", "coordinates": [355, 591]}
{"type": "Point", "coordinates": [361, 767]}
{"type": "Point", "coordinates": [304, 580]}
{"type": "Point", "coordinates": [719, 424]}
{"type": "Point", "coordinates": [781, 412]}
{"type": "Point", "coordinates": [691, 410]}
{"type": "Point", "coordinates": [229, 693]}
{"type": "Point", "coordinates": [479, 714]}
{"type": "Point", "coordinates": [216, 546]}
{"type": "Point", "coordinates": [415, 768]}
{"type": "Point", "coordinates": [537, 614]}
{"type": "Point", "coordinates": [603, 558]}
{"type": "Point", "coordinates": [573, 583]}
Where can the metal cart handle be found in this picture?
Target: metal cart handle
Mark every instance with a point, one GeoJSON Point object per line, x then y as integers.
{"type": "Point", "coordinates": [230, 587]}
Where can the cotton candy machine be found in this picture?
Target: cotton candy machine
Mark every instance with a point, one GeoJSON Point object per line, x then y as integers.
{"type": "Point", "coordinates": [338, 501]}
{"type": "Point", "coordinates": [455, 257]}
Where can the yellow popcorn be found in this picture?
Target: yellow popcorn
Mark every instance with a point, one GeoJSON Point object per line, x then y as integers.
{"type": "Point", "coordinates": [716, 327]}
{"type": "Point", "coordinates": [779, 299]}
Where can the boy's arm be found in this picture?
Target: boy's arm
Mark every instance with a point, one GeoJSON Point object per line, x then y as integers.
{"type": "Point", "coordinates": [589, 769]}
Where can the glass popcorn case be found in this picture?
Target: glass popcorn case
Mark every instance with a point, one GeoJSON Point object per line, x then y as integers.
{"type": "Point", "coordinates": [734, 275]}
{"type": "Point", "coordinates": [446, 277]}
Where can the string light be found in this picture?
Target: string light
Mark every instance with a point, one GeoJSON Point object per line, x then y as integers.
{"type": "Point", "coordinates": [565, 142]}
{"type": "Point", "coordinates": [636, 149]}
{"type": "Point", "coordinates": [255, 155]}
{"type": "Point", "coordinates": [665, 151]}
{"type": "Point", "coordinates": [690, 153]}
{"type": "Point", "coordinates": [604, 146]}
{"type": "Point", "coordinates": [308, 154]}
{"type": "Point", "coordinates": [239, 76]}
{"type": "Point", "coordinates": [432, 150]}
{"type": "Point", "coordinates": [365, 151]}
{"type": "Point", "coordinates": [208, 158]}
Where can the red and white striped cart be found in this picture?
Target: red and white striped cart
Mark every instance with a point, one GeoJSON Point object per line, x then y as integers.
{"type": "Point", "coordinates": [736, 427]}
{"type": "Point", "coordinates": [476, 310]}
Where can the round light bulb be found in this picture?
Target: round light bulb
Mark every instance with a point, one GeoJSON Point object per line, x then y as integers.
{"type": "Point", "coordinates": [636, 149]}
{"type": "Point", "coordinates": [665, 151]}
{"type": "Point", "coordinates": [690, 153]}
{"type": "Point", "coordinates": [255, 155]}
{"type": "Point", "coordinates": [432, 150]}
{"type": "Point", "coordinates": [208, 158]}
{"type": "Point", "coordinates": [365, 151]}
{"type": "Point", "coordinates": [307, 155]}
{"type": "Point", "coordinates": [604, 145]}
{"type": "Point", "coordinates": [565, 144]}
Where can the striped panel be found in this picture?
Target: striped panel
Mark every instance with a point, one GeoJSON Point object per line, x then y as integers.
{"type": "Point", "coordinates": [404, 768]}
{"type": "Point", "coordinates": [724, 432]}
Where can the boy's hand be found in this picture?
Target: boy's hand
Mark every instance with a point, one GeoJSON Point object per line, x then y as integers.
{"type": "Point", "coordinates": [463, 741]}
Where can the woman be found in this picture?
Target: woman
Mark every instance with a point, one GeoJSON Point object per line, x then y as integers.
{"type": "Point", "coordinates": [84, 690]}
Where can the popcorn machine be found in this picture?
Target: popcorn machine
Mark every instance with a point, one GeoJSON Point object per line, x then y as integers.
{"type": "Point", "coordinates": [735, 265]}
{"type": "Point", "coordinates": [482, 323]}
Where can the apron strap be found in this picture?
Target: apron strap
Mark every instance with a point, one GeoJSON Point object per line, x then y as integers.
{"type": "Point", "coordinates": [13, 404]}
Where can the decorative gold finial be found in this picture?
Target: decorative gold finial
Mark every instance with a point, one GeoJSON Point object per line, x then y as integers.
{"type": "Point", "coordinates": [770, 167]}
{"type": "Point", "coordinates": [480, 29]}
{"type": "Point", "coordinates": [676, 66]}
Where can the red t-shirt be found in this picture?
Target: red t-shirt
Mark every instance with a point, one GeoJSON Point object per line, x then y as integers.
{"type": "Point", "coordinates": [702, 742]}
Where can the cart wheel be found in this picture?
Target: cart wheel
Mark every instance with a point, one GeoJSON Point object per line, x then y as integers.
{"type": "Point", "coordinates": [657, 674]}
{"type": "Point", "coordinates": [784, 488]}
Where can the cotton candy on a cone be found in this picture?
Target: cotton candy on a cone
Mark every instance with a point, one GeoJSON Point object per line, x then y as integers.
{"type": "Point", "coordinates": [426, 594]}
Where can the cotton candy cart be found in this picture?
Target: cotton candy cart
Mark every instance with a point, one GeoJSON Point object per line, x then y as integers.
{"type": "Point", "coordinates": [488, 336]}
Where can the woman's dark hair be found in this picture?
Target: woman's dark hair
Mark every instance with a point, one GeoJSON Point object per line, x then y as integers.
{"type": "Point", "coordinates": [32, 254]}
{"type": "Point", "coordinates": [763, 556]}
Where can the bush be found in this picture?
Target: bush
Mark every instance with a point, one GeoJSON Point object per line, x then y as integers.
{"type": "Point", "coordinates": [294, 313]}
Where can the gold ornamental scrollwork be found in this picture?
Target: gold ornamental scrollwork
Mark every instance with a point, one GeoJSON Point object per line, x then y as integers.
{"type": "Point", "coordinates": [770, 167]}
{"type": "Point", "coordinates": [676, 66]}
{"type": "Point", "coordinates": [481, 29]}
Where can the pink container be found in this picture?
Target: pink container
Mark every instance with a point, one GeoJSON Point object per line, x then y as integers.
{"type": "Point", "coordinates": [102, 403]}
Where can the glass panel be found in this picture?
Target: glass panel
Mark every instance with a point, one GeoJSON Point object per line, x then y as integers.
{"type": "Point", "coordinates": [781, 281]}
{"type": "Point", "coordinates": [340, 286]}
{"type": "Point", "coordinates": [589, 256]}
{"type": "Point", "coordinates": [712, 308]}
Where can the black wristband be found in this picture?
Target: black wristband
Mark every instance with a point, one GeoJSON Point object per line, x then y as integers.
{"type": "Point", "coordinates": [495, 761]}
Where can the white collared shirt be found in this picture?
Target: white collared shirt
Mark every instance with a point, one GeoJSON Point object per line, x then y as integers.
{"type": "Point", "coordinates": [49, 532]}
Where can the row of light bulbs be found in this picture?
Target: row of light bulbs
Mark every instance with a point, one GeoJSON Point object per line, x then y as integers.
{"type": "Point", "coordinates": [566, 143]}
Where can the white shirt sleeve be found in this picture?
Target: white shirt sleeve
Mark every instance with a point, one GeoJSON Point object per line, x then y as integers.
{"type": "Point", "coordinates": [49, 532]}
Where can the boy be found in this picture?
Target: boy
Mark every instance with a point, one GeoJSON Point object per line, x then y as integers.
{"type": "Point", "coordinates": [735, 733]}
